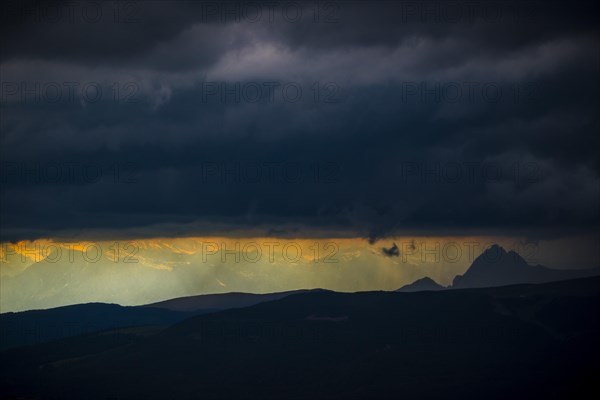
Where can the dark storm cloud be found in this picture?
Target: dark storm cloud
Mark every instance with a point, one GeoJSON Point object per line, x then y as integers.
{"type": "Point", "coordinates": [409, 119]}
{"type": "Point", "coordinates": [122, 31]}
{"type": "Point", "coordinates": [393, 251]}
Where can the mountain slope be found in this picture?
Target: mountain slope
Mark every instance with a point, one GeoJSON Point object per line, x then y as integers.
{"type": "Point", "coordinates": [220, 301]}
{"type": "Point", "coordinates": [38, 326]}
{"type": "Point", "coordinates": [472, 343]}
{"type": "Point", "coordinates": [420, 285]}
{"type": "Point", "coordinates": [497, 267]}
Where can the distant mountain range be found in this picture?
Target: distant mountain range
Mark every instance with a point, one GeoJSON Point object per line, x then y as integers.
{"type": "Point", "coordinates": [494, 267]}
{"type": "Point", "coordinates": [420, 285]}
{"type": "Point", "coordinates": [220, 301]}
{"type": "Point", "coordinates": [38, 326]}
{"type": "Point", "coordinates": [520, 341]}
{"type": "Point", "coordinates": [497, 267]}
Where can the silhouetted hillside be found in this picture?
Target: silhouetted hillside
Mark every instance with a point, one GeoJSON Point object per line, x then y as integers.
{"type": "Point", "coordinates": [497, 267]}
{"type": "Point", "coordinates": [421, 284]}
{"type": "Point", "coordinates": [219, 301]}
{"type": "Point", "coordinates": [38, 326]}
{"type": "Point", "coordinates": [525, 341]}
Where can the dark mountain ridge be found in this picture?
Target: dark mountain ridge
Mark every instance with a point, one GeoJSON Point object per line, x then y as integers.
{"type": "Point", "coordinates": [497, 267]}
{"type": "Point", "coordinates": [38, 326]}
{"type": "Point", "coordinates": [219, 301]}
{"type": "Point", "coordinates": [515, 341]}
{"type": "Point", "coordinates": [425, 283]}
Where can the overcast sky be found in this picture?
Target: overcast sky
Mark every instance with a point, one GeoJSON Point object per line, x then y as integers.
{"type": "Point", "coordinates": [359, 119]}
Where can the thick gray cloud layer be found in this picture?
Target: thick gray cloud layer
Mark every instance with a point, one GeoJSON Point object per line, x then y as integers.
{"type": "Point", "coordinates": [364, 118]}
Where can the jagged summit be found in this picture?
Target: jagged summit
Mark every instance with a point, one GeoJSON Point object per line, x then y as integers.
{"type": "Point", "coordinates": [497, 267]}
